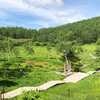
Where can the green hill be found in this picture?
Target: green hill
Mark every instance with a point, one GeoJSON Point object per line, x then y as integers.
{"type": "Point", "coordinates": [29, 57]}
{"type": "Point", "coordinates": [86, 31]}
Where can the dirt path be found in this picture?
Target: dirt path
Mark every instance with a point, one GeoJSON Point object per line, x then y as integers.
{"type": "Point", "coordinates": [75, 77]}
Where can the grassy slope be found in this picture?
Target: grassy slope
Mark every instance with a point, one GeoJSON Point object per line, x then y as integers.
{"type": "Point", "coordinates": [84, 90]}
{"type": "Point", "coordinates": [44, 64]}
{"type": "Point", "coordinates": [88, 57]}
{"type": "Point", "coordinates": [87, 89]}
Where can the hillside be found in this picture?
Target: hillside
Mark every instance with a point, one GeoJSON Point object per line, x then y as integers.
{"type": "Point", "coordinates": [30, 57]}
{"type": "Point", "coordinates": [86, 31]}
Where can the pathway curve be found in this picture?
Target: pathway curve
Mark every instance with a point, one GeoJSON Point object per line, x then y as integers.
{"type": "Point", "coordinates": [75, 77]}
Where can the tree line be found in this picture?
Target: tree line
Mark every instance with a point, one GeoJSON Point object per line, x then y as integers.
{"type": "Point", "coordinates": [86, 31]}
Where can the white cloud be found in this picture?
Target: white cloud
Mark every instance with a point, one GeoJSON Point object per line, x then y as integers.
{"type": "Point", "coordinates": [49, 11]}
{"type": "Point", "coordinates": [45, 2]}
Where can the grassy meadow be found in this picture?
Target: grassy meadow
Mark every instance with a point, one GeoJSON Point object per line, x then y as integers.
{"type": "Point", "coordinates": [30, 69]}
{"type": "Point", "coordinates": [86, 89]}
{"type": "Point", "coordinates": [40, 65]}
{"type": "Point", "coordinates": [31, 57]}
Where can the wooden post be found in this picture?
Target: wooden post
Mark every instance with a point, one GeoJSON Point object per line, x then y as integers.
{"type": "Point", "coordinates": [67, 66]}
{"type": "Point", "coordinates": [0, 95]}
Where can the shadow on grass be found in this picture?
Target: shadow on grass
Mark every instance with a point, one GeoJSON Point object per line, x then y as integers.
{"type": "Point", "coordinates": [7, 83]}
{"type": "Point", "coordinates": [13, 73]}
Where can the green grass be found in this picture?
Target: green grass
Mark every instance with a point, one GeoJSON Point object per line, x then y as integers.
{"type": "Point", "coordinates": [87, 89]}
{"type": "Point", "coordinates": [43, 63]}
{"type": "Point", "coordinates": [86, 57]}
{"type": "Point", "coordinates": [37, 77]}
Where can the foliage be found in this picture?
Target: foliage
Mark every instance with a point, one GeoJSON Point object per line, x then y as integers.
{"type": "Point", "coordinates": [83, 32]}
{"type": "Point", "coordinates": [83, 90]}
{"type": "Point", "coordinates": [30, 96]}
{"type": "Point", "coordinates": [31, 57]}
{"type": "Point", "coordinates": [68, 50]}
{"type": "Point", "coordinates": [28, 68]}
{"type": "Point", "coordinates": [98, 42]}
{"type": "Point", "coordinates": [97, 54]}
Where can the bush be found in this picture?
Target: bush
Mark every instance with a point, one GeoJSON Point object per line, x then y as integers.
{"type": "Point", "coordinates": [29, 96]}
{"type": "Point", "coordinates": [98, 42]}
{"type": "Point", "coordinates": [77, 67]}
{"type": "Point", "coordinates": [37, 44]}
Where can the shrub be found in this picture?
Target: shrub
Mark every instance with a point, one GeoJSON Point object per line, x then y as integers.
{"type": "Point", "coordinates": [98, 42]}
{"type": "Point", "coordinates": [37, 44]}
{"type": "Point", "coordinates": [29, 96]}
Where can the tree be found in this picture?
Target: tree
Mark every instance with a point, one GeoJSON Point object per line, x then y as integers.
{"type": "Point", "coordinates": [69, 56]}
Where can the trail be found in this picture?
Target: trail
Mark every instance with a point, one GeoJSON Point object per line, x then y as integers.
{"type": "Point", "coordinates": [75, 77]}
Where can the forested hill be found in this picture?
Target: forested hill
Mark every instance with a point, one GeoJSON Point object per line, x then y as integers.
{"type": "Point", "coordinates": [86, 31]}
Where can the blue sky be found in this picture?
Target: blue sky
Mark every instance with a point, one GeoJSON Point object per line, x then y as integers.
{"type": "Point", "coordinates": [46, 13]}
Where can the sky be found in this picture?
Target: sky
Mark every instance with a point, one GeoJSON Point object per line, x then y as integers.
{"type": "Point", "coordinates": [46, 13]}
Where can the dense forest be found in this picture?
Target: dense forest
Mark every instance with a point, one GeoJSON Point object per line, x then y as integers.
{"type": "Point", "coordinates": [82, 32]}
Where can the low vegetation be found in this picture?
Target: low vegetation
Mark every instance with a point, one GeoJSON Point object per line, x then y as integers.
{"type": "Point", "coordinates": [86, 89]}
{"type": "Point", "coordinates": [31, 57]}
